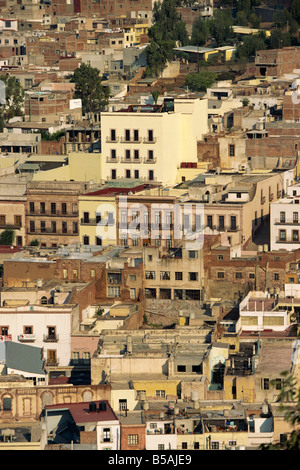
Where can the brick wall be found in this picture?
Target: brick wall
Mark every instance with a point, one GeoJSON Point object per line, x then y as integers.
{"type": "Point", "coordinates": [133, 430]}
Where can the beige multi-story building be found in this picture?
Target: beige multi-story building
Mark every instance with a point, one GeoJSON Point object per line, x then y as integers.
{"type": "Point", "coordinates": [150, 142]}
{"type": "Point", "coordinates": [52, 212]}
{"type": "Point", "coordinates": [12, 208]}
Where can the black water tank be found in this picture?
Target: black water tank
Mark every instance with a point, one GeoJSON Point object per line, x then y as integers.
{"type": "Point", "coordinates": [92, 406]}
{"type": "Point", "coordinates": [102, 406]}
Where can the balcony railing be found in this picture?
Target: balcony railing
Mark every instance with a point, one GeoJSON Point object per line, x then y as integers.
{"type": "Point", "coordinates": [13, 226]}
{"type": "Point", "coordinates": [40, 213]}
{"type": "Point", "coordinates": [131, 160]}
{"type": "Point", "coordinates": [288, 240]}
{"type": "Point", "coordinates": [53, 362]}
{"type": "Point", "coordinates": [123, 140]}
{"type": "Point", "coordinates": [48, 231]}
{"type": "Point", "coordinates": [287, 221]}
{"type": "Point", "coordinates": [50, 338]}
{"type": "Point", "coordinates": [146, 140]}
{"type": "Point", "coordinates": [90, 221]}
{"type": "Point", "coordinates": [112, 159]}
{"type": "Point", "coordinates": [150, 160]}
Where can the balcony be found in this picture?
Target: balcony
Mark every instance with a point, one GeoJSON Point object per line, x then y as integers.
{"type": "Point", "coordinates": [123, 140]}
{"type": "Point", "coordinates": [287, 240]}
{"type": "Point", "coordinates": [150, 160]}
{"type": "Point", "coordinates": [149, 141]}
{"type": "Point", "coordinates": [50, 338]}
{"type": "Point", "coordinates": [27, 338]}
{"type": "Point", "coordinates": [286, 222]}
{"type": "Point", "coordinates": [51, 214]}
{"type": "Point", "coordinates": [131, 160]}
{"type": "Point", "coordinates": [109, 140]}
{"type": "Point", "coordinates": [52, 362]}
{"type": "Point", "coordinates": [112, 159]}
{"type": "Point", "coordinates": [47, 231]}
{"type": "Point", "coordinates": [90, 221]}
{"type": "Point", "coordinates": [6, 226]}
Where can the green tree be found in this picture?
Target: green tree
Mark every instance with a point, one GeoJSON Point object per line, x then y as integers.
{"type": "Point", "coordinates": [200, 32]}
{"type": "Point", "coordinates": [14, 100]}
{"type": "Point", "coordinates": [289, 399]}
{"type": "Point", "coordinates": [89, 89]}
{"type": "Point", "coordinates": [241, 18]}
{"type": "Point", "coordinates": [7, 237]}
{"type": "Point", "coordinates": [220, 28]}
{"type": "Point", "coordinates": [295, 10]}
{"type": "Point", "coordinates": [167, 31]}
{"type": "Point", "coordinates": [200, 81]}
{"type": "Point", "coordinates": [251, 44]}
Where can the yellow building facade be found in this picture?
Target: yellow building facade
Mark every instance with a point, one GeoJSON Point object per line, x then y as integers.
{"type": "Point", "coordinates": [94, 209]}
{"type": "Point", "coordinates": [150, 142]}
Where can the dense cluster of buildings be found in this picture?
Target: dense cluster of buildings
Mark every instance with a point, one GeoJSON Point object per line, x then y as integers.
{"type": "Point", "coordinates": [150, 294]}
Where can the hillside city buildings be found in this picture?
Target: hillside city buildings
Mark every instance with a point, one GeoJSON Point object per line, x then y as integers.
{"type": "Point", "coordinates": [149, 252]}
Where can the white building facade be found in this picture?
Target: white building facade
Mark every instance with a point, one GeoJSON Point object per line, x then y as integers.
{"type": "Point", "coordinates": [150, 142]}
{"type": "Point", "coordinates": [285, 224]}
{"type": "Point", "coordinates": [40, 326]}
{"type": "Point", "coordinates": [108, 435]}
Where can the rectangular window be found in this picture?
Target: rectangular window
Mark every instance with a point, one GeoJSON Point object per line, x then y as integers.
{"type": "Point", "coordinates": [221, 275]}
{"type": "Point", "coordinates": [150, 135]}
{"type": "Point", "coordinates": [178, 276]}
{"type": "Point", "coordinates": [106, 434]}
{"type": "Point", "coordinates": [231, 150]}
{"type": "Point", "coordinates": [160, 393]}
{"type": "Point", "coordinates": [18, 220]}
{"type": "Point", "coordinates": [233, 222]}
{"type": "Point", "coordinates": [150, 274]}
{"type": "Point", "coordinates": [32, 226]}
{"type": "Point", "coordinates": [193, 276]}
{"type": "Point", "coordinates": [127, 135]}
{"type": "Point", "coordinates": [165, 275]}
{"type": "Point", "coordinates": [295, 236]}
{"type": "Point", "coordinates": [113, 291]}
{"type": "Point", "coordinates": [132, 439]}
{"type": "Point", "coordinates": [282, 217]}
{"type": "Point", "coordinates": [53, 208]}
{"type": "Point", "coordinates": [209, 221]}
{"type": "Point", "coordinates": [113, 135]}
{"type": "Point", "coordinates": [282, 235]}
